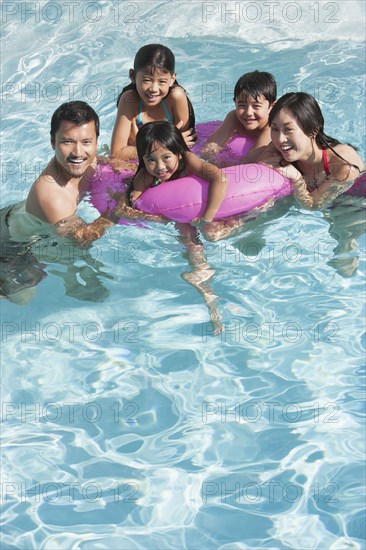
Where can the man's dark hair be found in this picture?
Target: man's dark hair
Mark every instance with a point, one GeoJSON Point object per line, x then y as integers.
{"type": "Point", "coordinates": [77, 112]}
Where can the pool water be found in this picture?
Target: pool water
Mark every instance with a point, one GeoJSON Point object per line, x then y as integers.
{"type": "Point", "coordinates": [126, 424]}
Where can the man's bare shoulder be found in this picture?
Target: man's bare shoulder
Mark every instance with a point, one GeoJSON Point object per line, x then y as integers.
{"type": "Point", "coordinates": [47, 199]}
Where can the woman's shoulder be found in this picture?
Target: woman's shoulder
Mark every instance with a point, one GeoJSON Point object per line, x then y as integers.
{"type": "Point", "coordinates": [344, 168]}
{"type": "Point", "coordinates": [348, 153]}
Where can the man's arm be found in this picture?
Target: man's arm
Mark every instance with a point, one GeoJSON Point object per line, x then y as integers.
{"type": "Point", "coordinates": [56, 204]}
{"type": "Point", "coordinates": [75, 228]}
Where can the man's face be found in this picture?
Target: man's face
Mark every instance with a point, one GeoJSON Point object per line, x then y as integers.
{"type": "Point", "coordinates": [75, 147]}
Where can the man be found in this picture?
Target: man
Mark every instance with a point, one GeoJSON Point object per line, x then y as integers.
{"type": "Point", "coordinates": [50, 208]}
{"type": "Point", "coordinates": [55, 194]}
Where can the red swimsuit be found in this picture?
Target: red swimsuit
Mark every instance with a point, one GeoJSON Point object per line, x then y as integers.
{"type": "Point", "coordinates": [326, 162]}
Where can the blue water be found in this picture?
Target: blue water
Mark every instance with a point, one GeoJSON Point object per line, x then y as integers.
{"type": "Point", "coordinates": [125, 423]}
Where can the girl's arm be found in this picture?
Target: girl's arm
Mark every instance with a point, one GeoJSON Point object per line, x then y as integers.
{"type": "Point", "coordinates": [331, 189]}
{"type": "Point", "coordinates": [216, 179]}
{"type": "Point", "coordinates": [141, 182]}
{"type": "Point", "coordinates": [124, 210]}
{"type": "Point", "coordinates": [220, 137]}
{"type": "Point", "coordinates": [178, 103]}
{"type": "Point", "coordinates": [125, 122]}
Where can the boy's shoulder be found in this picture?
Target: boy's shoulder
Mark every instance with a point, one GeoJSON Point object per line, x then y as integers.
{"type": "Point", "coordinates": [231, 122]}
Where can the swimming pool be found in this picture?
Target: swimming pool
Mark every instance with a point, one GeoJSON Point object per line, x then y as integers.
{"type": "Point", "coordinates": [125, 423]}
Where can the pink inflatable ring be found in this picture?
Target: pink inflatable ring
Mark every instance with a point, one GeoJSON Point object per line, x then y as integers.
{"type": "Point", "coordinates": [249, 186]}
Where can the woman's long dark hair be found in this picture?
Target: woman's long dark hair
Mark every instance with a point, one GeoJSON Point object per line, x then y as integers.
{"type": "Point", "coordinates": [152, 57]}
{"type": "Point", "coordinates": [305, 110]}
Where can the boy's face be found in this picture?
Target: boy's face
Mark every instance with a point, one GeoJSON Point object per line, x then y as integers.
{"type": "Point", "coordinates": [252, 113]}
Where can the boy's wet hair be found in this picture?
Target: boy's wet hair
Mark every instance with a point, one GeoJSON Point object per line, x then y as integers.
{"type": "Point", "coordinates": [254, 85]}
{"type": "Point", "coordinates": [77, 112]}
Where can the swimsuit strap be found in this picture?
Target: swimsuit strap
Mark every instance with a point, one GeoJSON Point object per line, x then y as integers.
{"type": "Point", "coordinates": [155, 182]}
{"type": "Point", "coordinates": [168, 116]}
{"type": "Point", "coordinates": [326, 162]}
{"type": "Point", "coordinates": [139, 122]}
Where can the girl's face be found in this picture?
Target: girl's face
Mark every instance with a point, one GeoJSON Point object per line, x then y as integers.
{"type": "Point", "coordinates": [289, 139]}
{"type": "Point", "coordinates": [161, 163]}
{"type": "Point", "coordinates": [153, 88]}
{"type": "Point", "coordinates": [252, 113]}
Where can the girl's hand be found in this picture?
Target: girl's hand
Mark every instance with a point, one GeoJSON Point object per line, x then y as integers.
{"type": "Point", "coordinates": [134, 196]}
{"type": "Point", "coordinates": [197, 222]}
{"type": "Point", "coordinates": [134, 129]}
{"type": "Point", "coordinates": [189, 136]}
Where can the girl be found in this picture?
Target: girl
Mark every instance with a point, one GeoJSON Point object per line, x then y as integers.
{"type": "Point", "coordinates": [154, 94]}
{"type": "Point", "coordinates": [319, 166]}
{"type": "Point", "coordinates": [164, 155]}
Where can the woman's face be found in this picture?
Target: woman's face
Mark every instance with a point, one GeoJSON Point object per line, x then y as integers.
{"type": "Point", "coordinates": [289, 139]}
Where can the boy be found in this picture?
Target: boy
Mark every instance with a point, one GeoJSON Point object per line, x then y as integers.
{"type": "Point", "coordinates": [254, 97]}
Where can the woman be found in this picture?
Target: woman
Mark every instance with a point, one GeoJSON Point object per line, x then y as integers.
{"type": "Point", "coordinates": [319, 166]}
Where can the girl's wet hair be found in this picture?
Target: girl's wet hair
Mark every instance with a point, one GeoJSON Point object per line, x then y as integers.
{"type": "Point", "coordinates": [156, 57]}
{"type": "Point", "coordinates": [164, 133]}
{"type": "Point", "coordinates": [256, 84]}
{"type": "Point", "coordinates": [161, 132]}
{"type": "Point", "coordinates": [77, 112]}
